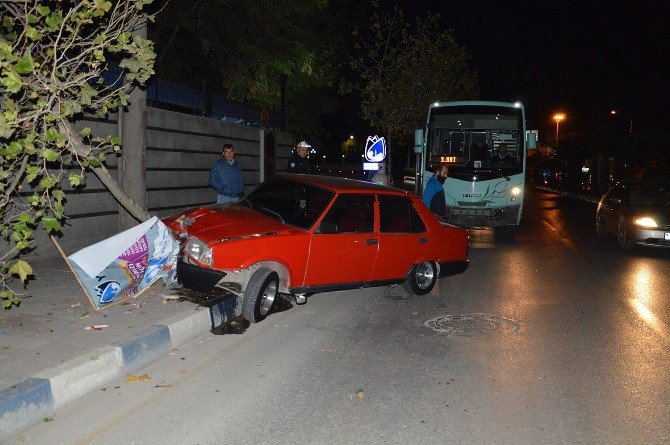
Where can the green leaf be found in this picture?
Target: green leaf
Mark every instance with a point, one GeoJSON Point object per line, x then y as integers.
{"type": "Point", "coordinates": [25, 65]}
{"type": "Point", "coordinates": [50, 155]}
{"type": "Point", "coordinates": [59, 195]}
{"type": "Point", "coordinates": [11, 81]}
{"type": "Point", "coordinates": [22, 269]}
{"type": "Point", "coordinates": [51, 224]}
{"type": "Point", "coordinates": [42, 10]}
{"type": "Point", "coordinates": [54, 20]}
{"type": "Point", "coordinates": [85, 131]}
{"type": "Point", "coordinates": [52, 134]}
{"type": "Point", "coordinates": [32, 33]}
{"type": "Point", "coordinates": [75, 180]}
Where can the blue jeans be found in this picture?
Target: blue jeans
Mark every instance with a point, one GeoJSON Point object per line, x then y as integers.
{"type": "Point", "coordinates": [221, 199]}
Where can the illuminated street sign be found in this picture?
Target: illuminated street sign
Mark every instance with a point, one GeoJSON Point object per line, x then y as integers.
{"type": "Point", "coordinates": [375, 149]}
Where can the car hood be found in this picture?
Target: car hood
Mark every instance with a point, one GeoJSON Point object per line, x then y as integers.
{"type": "Point", "coordinates": [225, 221]}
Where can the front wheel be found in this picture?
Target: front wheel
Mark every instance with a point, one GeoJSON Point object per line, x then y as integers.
{"type": "Point", "coordinates": [260, 295]}
{"type": "Point", "coordinates": [421, 279]}
{"type": "Point", "coordinates": [601, 228]}
{"type": "Point", "coordinates": [622, 237]}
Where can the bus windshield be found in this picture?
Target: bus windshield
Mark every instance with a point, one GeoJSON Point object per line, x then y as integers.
{"type": "Point", "coordinates": [475, 138]}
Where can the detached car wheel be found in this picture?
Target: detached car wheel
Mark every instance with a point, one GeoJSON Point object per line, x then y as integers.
{"type": "Point", "coordinates": [421, 279]}
{"type": "Point", "coordinates": [260, 295]}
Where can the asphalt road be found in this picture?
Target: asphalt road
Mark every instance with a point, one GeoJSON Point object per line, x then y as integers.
{"type": "Point", "coordinates": [555, 337]}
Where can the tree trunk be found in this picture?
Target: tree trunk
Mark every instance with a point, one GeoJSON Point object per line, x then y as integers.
{"type": "Point", "coordinates": [132, 165]}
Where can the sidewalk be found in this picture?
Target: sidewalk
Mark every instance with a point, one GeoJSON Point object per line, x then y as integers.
{"type": "Point", "coordinates": [49, 359]}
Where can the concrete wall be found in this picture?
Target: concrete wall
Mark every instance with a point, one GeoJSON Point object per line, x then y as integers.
{"type": "Point", "coordinates": [180, 150]}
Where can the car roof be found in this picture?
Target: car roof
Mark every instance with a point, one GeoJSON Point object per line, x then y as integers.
{"type": "Point", "coordinates": [343, 184]}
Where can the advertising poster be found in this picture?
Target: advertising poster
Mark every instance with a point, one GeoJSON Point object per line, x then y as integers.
{"type": "Point", "coordinates": [122, 266]}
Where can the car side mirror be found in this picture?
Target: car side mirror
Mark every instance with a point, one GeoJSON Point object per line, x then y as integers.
{"type": "Point", "coordinates": [327, 227]}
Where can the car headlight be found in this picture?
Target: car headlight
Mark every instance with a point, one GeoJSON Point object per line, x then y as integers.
{"type": "Point", "coordinates": [198, 250]}
{"type": "Point", "coordinates": [645, 222]}
{"type": "Point", "coordinates": [516, 191]}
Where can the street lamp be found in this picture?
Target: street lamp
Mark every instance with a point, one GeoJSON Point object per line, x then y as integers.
{"type": "Point", "coordinates": [558, 117]}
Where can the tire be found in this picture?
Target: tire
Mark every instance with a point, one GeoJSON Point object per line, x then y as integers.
{"type": "Point", "coordinates": [260, 295]}
{"type": "Point", "coordinates": [622, 238]}
{"type": "Point", "coordinates": [601, 228]}
{"type": "Point", "coordinates": [421, 279]}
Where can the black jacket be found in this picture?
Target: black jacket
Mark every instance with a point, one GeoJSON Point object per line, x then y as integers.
{"type": "Point", "coordinates": [438, 204]}
{"type": "Point", "coordinates": [296, 164]}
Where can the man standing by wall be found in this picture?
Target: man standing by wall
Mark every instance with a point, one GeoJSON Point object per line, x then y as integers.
{"type": "Point", "coordinates": [433, 195]}
{"type": "Point", "coordinates": [226, 177]}
{"type": "Point", "coordinates": [297, 163]}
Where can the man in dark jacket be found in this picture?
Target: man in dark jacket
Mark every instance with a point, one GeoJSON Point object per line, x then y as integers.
{"type": "Point", "coordinates": [226, 177]}
{"type": "Point", "coordinates": [433, 195]}
{"type": "Point", "coordinates": [297, 163]}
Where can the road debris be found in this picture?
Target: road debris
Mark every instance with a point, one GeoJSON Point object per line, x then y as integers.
{"type": "Point", "coordinates": [137, 378]}
{"type": "Point", "coordinates": [96, 327]}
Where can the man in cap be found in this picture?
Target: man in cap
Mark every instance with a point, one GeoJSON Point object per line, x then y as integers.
{"type": "Point", "coordinates": [297, 163]}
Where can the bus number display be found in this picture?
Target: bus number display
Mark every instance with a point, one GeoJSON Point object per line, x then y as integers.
{"type": "Point", "coordinates": [447, 159]}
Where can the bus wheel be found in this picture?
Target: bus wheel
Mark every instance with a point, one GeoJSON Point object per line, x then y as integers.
{"type": "Point", "coordinates": [421, 279]}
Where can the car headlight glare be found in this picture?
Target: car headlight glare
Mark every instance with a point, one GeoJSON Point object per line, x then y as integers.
{"type": "Point", "coordinates": [198, 250]}
{"type": "Point", "coordinates": [516, 191]}
{"type": "Point", "coordinates": [645, 222]}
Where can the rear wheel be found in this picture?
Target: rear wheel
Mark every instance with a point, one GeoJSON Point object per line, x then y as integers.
{"type": "Point", "coordinates": [622, 237]}
{"type": "Point", "coordinates": [601, 228]}
{"type": "Point", "coordinates": [421, 279]}
{"type": "Point", "coordinates": [260, 295]}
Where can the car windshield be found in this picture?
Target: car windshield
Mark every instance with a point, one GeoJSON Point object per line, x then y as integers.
{"type": "Point", "coordinates": [649, 196]}
{"type": "Point", "coordinates": [288, 201]}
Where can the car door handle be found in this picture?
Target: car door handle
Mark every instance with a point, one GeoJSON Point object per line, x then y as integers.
{"type": "Point", "coordinates": [423, 240]}
{"type": "Point", "coordinates": [371, 241]}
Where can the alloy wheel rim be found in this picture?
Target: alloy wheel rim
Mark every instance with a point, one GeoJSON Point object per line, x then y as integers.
{"type": "Point", "coordinates": [424, 275]}
{"type": "Point", "coordinates": [268, 298]}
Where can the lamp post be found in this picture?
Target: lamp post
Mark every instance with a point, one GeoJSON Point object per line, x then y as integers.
{"type": "Point", "coordinates": [558, 117]}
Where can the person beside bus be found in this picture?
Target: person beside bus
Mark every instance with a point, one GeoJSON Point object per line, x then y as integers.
{"type": "Point", "coordinates": [433, 195]}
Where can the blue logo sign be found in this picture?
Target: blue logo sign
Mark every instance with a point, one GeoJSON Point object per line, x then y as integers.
{"type": "Point", "coordinates": [107, 290]}
{"type": "Point", "coordinates": [375, 149]}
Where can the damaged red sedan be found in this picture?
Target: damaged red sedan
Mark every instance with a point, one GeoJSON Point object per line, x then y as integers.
{"type": "Point", "coordinates": [302, 234]}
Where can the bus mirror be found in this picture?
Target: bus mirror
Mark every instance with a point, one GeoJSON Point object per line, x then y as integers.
{"type": "Point", "coordinates": [531, 141]}
{"type": "Point", "coordinates": [418, 141]}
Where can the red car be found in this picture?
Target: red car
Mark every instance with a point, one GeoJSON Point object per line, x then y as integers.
{"type": "Point", "coordinates": [301, 234]}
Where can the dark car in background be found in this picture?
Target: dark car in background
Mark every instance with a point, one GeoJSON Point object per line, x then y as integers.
{"type": "Point", "coordinates": [637, 212]}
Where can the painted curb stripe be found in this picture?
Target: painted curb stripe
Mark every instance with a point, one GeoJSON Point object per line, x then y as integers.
{"type": "Point", "coordinates": [23, 405]}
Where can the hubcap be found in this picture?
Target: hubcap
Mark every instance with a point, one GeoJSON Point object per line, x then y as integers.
{"type": "Point", "coordinates": [268, 298]}
{"type": "Point", "coordinates": [424, 275]}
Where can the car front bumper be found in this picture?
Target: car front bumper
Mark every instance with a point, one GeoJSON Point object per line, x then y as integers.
{"type": "Point", "coordinates": [648, 237]}
{"type": "Point", "coordinates": [198, 278]}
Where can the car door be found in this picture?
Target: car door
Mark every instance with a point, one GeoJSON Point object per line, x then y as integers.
{"type": "Point", "coordinates": [343, 248]}
{"type": "Point", "coordinates": [402, 238]}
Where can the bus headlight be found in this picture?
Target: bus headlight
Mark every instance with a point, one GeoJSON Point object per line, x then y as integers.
{"type": "Point", "coordinates": [516, 191]}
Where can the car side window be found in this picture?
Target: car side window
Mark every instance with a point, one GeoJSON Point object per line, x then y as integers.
{"type": "Point", "coordinates": [350, 214]}
{"type": "Point", "coordinates": [398, 215]}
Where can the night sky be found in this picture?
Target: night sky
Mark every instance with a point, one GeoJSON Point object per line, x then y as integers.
{"type": "Point", "coordinates": [579, 58]}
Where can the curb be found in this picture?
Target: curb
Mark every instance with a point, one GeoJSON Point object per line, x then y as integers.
{"type": "Point", "coordinates": [29, 402]}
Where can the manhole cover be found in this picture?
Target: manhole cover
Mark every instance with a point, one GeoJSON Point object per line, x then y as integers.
{"type": "Point", "coordinates": [468, 325]}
